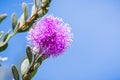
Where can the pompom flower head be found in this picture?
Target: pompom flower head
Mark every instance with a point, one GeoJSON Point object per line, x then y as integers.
{"type": "Point", "coordinates": [50, 36]}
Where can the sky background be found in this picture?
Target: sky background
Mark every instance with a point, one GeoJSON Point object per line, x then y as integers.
{"type": "Point", "coordinates": [95, 51]}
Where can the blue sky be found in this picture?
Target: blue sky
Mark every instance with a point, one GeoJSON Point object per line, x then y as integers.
{"type": "Point", "coordinates": [95, 51]}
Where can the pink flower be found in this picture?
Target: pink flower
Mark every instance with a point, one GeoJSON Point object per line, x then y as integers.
{"type": "Point", "coordinates": [50, 36]}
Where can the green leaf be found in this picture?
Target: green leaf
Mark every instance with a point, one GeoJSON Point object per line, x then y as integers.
{"type": "Point", "coordinates": [32, 74]}
{"type": "Point", "coordinates": [38, 62]}
{"type": "Point", "coordinates": [6, 36]}
{"type": "Point", "coordinates": [25, 8]}
{"type": "Point", "coordinates": [4, 39]}
{"type": "Point", "coordinates": [34, 9]}
{"type": "Point", "coordinates": [16, 27]}
{"type": "Point", "coordinates": [3, 47]}
{"type": "Point", "coordinates": [37, 3]}
{"type": "Point", "coordinates": [14, 20]}
{"type": "Point", "coordinates": [4, 44]}
{"type": "Point", "coordinates": [29, 53]}
{"type": "Point", "coordinates": [2, 17]}
{"type": "Point", "coordinates": [24, 66]}
{"type": "Point", "coordinates": [15, 73]}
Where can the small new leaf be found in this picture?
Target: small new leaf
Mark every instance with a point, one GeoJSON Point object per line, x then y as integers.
{"type": "Point", "coordinates": [2, 17]}
{"type": "Point", "coordinates": [40, 13]}
{"type": "Point", "coordinates": [15, 73]}
{"type": "Point", "coordinates": [1, 34]}
{"type": "Point", "coordinates": [25, 28]}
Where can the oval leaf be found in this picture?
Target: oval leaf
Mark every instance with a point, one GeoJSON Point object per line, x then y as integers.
{"type": "Point", "coordinates": [29, 53]}
{"type": "Point", "coordinates": [34, 9]}
{"type": "Point", "coordinates": [37, 3]}
{"type": "Point", "coordinates": [32, 74]}
{"type": "Point", "coordinates": [15, 73]}
{"type": "Point", "coordinates": [6, 36]}
{"type": "Point", "coordinates": [25, 8]}
{"type": "Point", "coordinates": [21, 20]}
{"type": "Point", "coordinates": [24, 66]}
{"type": "Point", "coordinates": [3, 47]}
{"type": "Point", "coordinates": [38, 62]}
{"type": "Point", "coordinates": [14, 20]}
{"type": "Point", "coordinates": [16, 27]}
{"type": "Point", "coordinates": [2, 17]}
